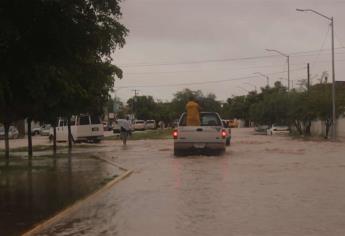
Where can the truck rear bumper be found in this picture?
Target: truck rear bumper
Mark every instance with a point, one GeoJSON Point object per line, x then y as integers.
{"type": "Point", "coordinates": [199, 146]}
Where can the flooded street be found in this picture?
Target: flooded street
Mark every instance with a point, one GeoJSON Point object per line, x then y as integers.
{"type": "Point", "coordinates": [261, 186]}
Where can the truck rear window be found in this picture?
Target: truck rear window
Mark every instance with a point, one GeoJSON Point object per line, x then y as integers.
{"type": "Point", "coordinates": [84, 120]}
{"type": "Point", "coordinates": [95, 120]}
{"type": "Point", "coordinates": [206, 119]}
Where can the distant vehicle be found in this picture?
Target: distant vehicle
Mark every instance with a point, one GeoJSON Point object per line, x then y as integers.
{"type": "Point", "coordinates": [234, 123]}
{"type": "Point", "coordinates": [139, 125]}
{"type": "Point", "coordinates": [261, 129]}
{"type": "Point", "coordinates": [150, 124]}
{"type": "Point", "coordinates": [228, 132]}
{"type": "Point", "coordinates": [84, 128]}
{"type": "Point", "coordinates": [45, 130]}
{"type": "Point", "coordinates": [13, 132]}
{"type": "Point", "coordinates": [209, 136]}
{"type": "Point", "coordinates": [116, 125]}
{"type": "Point", "coordinates": [35, 131]}
{"type": "Point", "coordinates": [107, 126]}
{"type": "Point", "coordinates": [278, 129]}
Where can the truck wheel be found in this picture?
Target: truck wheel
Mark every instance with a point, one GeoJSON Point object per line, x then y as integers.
{"type": "Point", "coordinates": [178, 152]}
{"type": "Point", "coordinates": [221, 151]}
{"type": "Point", "coordinates": [227, 143]}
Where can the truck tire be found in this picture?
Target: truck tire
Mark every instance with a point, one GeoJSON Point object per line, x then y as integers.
{"type": "Point", "coordinates": [178, 152]}
{"type": "Point", "coordinates": [227, 142]}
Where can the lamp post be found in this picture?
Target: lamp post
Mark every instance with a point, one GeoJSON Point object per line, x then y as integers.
{"type": "Point", "coordinates": [266, 76]}
{"type": "Point", "coordinates": [288, 63]}
{"type": "Point", "coordinates": [333, 71]}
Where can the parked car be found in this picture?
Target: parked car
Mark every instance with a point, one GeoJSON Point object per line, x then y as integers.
{"type": "Point", "coordinates": [45, 130]}
{"type": "Point", "coordinates": [13, 132]}
{"type": "Point", "coordinates": [278, 129]}
{"type": "Point", "coordinates": [107, 126]}
{"type": "Point", "coordinates": [209, 136]}
{"type": "Point", "coordinates": [139, 125]}
{"type": "Point", "coordinates": [116, 125]}
{"type": "Point", "coordinates": [227, 129]}
{"type": "Point", "coordinates": [262, 129]}
{"type": "Point", "coordinates": [150, 124]}
{"type": "Point", "coordinates": [84, 128]}
{"type": "Point", "coordinates": [35, 130]}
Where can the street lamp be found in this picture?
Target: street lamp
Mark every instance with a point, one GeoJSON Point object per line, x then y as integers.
{"type": "Point", "coordinates": [266, 76]}
{"type": "Point", "coordinates": [333, 72]}
{"type": "Point", "coordinates": [288, 63]}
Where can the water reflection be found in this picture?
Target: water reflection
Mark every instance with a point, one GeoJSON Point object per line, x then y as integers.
{"type": "Point", "coordinates": [199, 185]}
{"type": "Point", "coordinates": [32, 190]}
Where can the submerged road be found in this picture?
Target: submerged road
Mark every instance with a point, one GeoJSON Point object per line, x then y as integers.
{"type": "Point", "coordinates": [261, 186]}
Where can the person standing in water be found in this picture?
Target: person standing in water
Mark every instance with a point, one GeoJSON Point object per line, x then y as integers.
{"type": "Point", "coordinates": [193, 112]}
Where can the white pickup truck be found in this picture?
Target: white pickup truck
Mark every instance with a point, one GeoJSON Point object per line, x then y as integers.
{"type": "Point", "coordinates": [209, 136]}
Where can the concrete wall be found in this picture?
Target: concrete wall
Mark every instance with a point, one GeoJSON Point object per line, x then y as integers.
{"type": "Point", "coordinates": [341, 128]}
{"type": "Point", "coordinates": [318, 128]}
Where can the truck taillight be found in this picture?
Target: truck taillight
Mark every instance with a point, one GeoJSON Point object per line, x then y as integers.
{"type": "Point", "coordinates": [175, 134]}
{"type": "Point", "coordinates": [223, 134]}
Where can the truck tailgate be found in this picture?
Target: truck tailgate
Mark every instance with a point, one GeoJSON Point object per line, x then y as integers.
{"type": "Point", "coordinates": [199, 134]}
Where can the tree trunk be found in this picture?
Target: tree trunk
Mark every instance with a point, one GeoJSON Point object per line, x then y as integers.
{"type": "Point", "coordinates": [7, 143]}
{"type": "Point", "coordinates": [328, 125]}
{"type": "Point", "coordinates": [298, 127]}
{"type": "Point", "coordinates": [54, 139]}
{"type": "Point", "coordinates": [69, 134]}
{"type": "Point", "coordinates": [307, 128]}
{"type": "Point", "coordinates": [29, 138]}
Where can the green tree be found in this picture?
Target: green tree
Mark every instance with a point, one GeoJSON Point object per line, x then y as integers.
{"type": "Point", "coordinates": [143, 107]}
{"type": "Point", "coordinates": [321, 102]}
{"type": "Point", "coordinates": [56, 56]}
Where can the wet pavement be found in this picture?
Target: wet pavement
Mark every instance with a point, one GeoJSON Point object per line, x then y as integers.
{"type": "Point", "coordinates": [31, 191]}
{"type": "Point", "coordinates": [260, 186]}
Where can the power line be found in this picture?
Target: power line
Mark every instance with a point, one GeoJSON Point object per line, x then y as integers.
{"type": "Point", "coordinates": [322, 45]}
{"type": "Point", "coordinates": [301, 53]}
{"type": "Point", "coordinates": [212, 69]}
{"type": "Point", "coordinates": [205, 82]}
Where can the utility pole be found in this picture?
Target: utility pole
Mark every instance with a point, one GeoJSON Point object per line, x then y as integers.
{"type": "Point", "coordinates": [308, 76]}
{"type": "Point", "coordinates": [331, 19]}
{"type": "Point", "coordinates": [288, 63]}
{"type": "Point", "coordinates": [334, 121]}
{"type": "Point", "coordinates": [136, 92]}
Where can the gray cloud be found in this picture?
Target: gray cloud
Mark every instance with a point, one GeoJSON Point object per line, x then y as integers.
{"type": "Point", "coordinates": [169, 31]}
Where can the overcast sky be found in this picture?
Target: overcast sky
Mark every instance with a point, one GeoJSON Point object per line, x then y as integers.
{"type": "Point", "coordinates": [219, 44]}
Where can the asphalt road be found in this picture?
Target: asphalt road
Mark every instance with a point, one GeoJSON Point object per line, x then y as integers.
{"type": "Point", "coordinates": [261, 186]}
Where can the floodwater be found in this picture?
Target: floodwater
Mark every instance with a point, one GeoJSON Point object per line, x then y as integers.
{"type": "Point", "coordinates": [261, 186]}
{"type": "Point", "coordinates": [33, 191]}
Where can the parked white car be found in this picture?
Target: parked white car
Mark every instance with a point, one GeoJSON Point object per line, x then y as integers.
{"type": "Point", "coordinates": [13, 132]}
{"type": "Point", "coordinates": [84, 128]}
{"type": "Point", "coordinates": [209, 136]}
{"type": "Point", "coordinates": [139, 125]}
{"type": "Point", "coordinates": [150, 124]}
{"type": "Point", "coordinates": [45, 130]}
{"type": "Point", "coordinates": [117, 127]}
{"type": "Point", "coordinates": [35, 130]}
{"type": "Point", "coordinates": [278, 129]}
